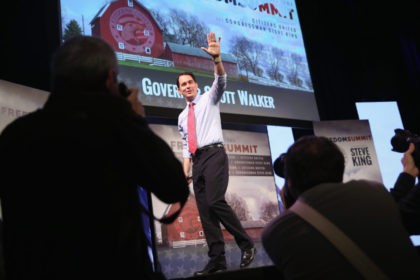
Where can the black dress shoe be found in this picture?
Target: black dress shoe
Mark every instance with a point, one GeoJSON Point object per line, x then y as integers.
{"type": "Point", "coordinates": [248, 256]}
{"type": "Point", "coordinates": [211, 268]}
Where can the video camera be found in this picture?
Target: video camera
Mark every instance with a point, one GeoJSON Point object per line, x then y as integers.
{"type": "Point", "coordinates": [402, 139]}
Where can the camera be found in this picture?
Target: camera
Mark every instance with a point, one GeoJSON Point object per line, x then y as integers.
{"type": "Point", "coordinates": [123, 90]}
{"type": "Point", "coordinates": [278, 165]}
{"type": "Point", "coordinates": [402, 139]}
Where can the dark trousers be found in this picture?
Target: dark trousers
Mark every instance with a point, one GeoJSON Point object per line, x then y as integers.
{"type": "Point", "coordinates": [210, 181]}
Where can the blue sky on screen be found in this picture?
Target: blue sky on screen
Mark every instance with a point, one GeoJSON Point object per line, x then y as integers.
{"type": "Point", "coordinates": [383, 118]}
{"type": "Point", "coordinates": [280, 139]}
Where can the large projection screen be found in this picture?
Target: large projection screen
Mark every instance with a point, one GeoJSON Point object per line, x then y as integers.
{"type": "Point", "coordinates": [262, 50]}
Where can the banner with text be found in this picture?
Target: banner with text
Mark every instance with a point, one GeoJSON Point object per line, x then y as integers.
{"type": "Point", "coordinates": [17, 100]}
{"type": "Point", "coordinates": [354, 137]}
{"type": "Point", "coordinates": [251, 191]}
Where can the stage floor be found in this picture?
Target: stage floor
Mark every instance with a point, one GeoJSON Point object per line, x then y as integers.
{"type": "Point", "coordinates": [183, 262]}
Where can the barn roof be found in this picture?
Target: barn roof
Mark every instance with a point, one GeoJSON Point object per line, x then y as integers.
{"type": "Point", "coordinates": [102, 10]}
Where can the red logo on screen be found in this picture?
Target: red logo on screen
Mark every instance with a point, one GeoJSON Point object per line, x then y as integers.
{"type": "Point", "coordinates": [271, 9]}
{"type": "Point", "coordinates": [268, 8]}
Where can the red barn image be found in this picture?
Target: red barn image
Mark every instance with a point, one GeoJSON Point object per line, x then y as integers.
{"type": "Point", "coordinates": [187, 229]}
{"type": "Point", "coordinates": [136, 36]}
{"type": "Point", "coordinates": [129, 28]}
{"type": "Point", "coordinates": [184, 56]}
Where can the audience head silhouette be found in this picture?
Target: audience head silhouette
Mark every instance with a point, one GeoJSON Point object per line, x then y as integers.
{"type": "Point", "coordinates": [313, 160]}
{"type": "Point", "coordinates": [84, 63]}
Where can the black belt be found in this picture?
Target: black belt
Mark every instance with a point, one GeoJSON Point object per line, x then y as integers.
{"type": "Point", "coordinates": [207, 147]}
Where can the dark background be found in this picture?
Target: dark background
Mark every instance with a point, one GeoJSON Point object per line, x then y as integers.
{"type": "Point", "coordinates": [357, 51]}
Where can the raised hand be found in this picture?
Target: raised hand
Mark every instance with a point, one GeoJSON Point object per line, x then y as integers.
{"type": "Point", "coordinates": [408, 162]}
{"type": "Point", "coordinates": [213, 48]}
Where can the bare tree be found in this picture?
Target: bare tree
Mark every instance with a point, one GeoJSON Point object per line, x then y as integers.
{"type": "Point", "coordinates": [164, 23]}
{"type": "Point", "coordinates": [275, 58]}
{"type": "Point", "coordinates": [269, 211]}
{"type": "Point", "coordinates": [297, 60]}
{"type": "Point", "coordinates": [248, 54]}
{"type": "Point", "coordinates": [182, 28]}
{"type": "Point", "coordinates": [238, 205]}
{"type": "Point", "coordinates": [294, 74]}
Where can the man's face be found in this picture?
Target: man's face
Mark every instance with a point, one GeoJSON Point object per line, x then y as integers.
{"type": "Point", "coordinates": [187, 87]}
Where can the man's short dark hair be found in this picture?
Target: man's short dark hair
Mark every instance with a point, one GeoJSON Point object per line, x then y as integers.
{"type": "Point", "coordinates": [313, 160]}
{"type": "Point", "coordinates": [185, 73]}
{"type": "Point", "coordinates": [82, 63]}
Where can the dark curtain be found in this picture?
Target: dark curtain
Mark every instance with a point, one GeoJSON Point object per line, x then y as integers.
{"type": "Point", "coordinates": [362, 51]}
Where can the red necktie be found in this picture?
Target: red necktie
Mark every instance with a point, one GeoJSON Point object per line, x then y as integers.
{"type": "Point", "coordinates": [192, 138]}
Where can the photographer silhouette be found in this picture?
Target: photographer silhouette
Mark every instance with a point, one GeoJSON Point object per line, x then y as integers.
{"type": "Point", "coordinates": [407, 193]}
